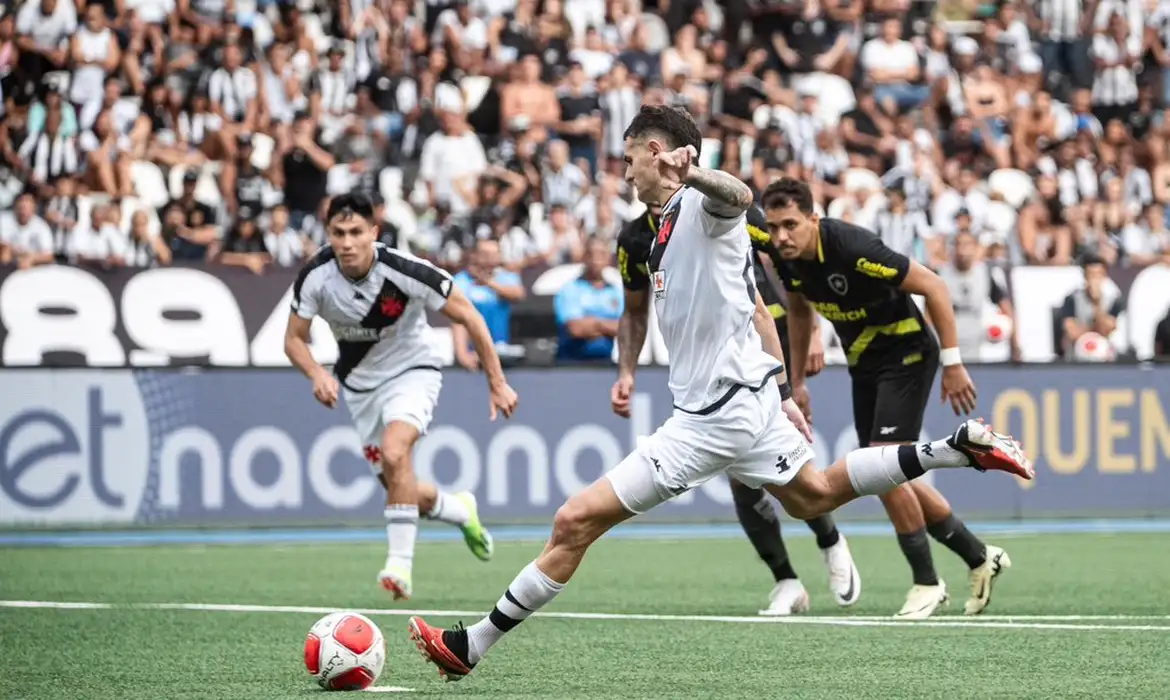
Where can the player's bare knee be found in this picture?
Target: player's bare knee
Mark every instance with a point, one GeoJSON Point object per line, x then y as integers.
{"type": "Point", "coordinates": [574, 525]}
{"type": "Point", "coordinates": [395, 456]}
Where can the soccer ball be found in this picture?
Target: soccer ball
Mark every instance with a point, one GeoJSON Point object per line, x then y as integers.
{"type": "Point", "coordinates": [999, 327]}
{"type": "Point", "coordinates": [345, 651]}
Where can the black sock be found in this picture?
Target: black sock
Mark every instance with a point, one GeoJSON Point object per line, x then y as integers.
{"type": "Point", "coordinates": [825, 530]}
{"type": "Point", "coordinates": [916, 548]}
{"type": "Point", "coordinates": [762, 526]}
{"type": "Point", "coordinates": [955, 536]}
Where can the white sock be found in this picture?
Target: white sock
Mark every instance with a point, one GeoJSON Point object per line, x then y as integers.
{"type": "Point", "coordinates": [401, 530]}
{"type": "Point", "coordinates": [876, 470]}
{"type": "Point", "coordinates": [530, 591]}
{"type": "Point", "coordinates": [449, 509]}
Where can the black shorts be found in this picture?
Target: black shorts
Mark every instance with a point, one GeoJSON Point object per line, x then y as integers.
{"type": "Point", "coordinates": [888, 406]}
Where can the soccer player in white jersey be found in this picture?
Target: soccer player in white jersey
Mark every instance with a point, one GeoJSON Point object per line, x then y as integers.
{"type": "Point", "coordinates": [375, 301]}
{"type": "Point", "coordinates": [733, 410]}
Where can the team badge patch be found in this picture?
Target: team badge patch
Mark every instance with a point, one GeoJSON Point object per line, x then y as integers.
{"type": "Point", "coordinates": [658, 282]}
{"type": "Point", "coordinates": [838, 283]}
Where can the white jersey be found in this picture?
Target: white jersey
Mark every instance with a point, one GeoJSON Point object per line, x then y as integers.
{"type": "Point", "coordinates": [704, 295]}
{"type": "Point", "coordinates": [379, 321]}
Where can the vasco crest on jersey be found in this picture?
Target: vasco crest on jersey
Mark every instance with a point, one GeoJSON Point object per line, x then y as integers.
{"type": "Point", "coordinates": [658, 283]}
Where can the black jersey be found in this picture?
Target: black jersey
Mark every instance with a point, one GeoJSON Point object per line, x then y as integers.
{"type": "Point", "coordinates": [633, 250]}
{"type": "Point", "coordinates": [854, 283]}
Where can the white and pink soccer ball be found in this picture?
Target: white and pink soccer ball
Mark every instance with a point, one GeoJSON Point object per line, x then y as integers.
{"type": "Point", "coordinates": [345, 651]}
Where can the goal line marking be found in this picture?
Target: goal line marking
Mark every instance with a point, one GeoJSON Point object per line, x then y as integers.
{"type": "Point", "coordinates": [1031, 622]}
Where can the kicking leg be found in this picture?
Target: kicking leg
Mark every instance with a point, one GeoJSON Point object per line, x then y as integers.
{"type": "Point", "coordinates": [761, 524]}
{"type": "Point", "coordinates": [578, 524]}
{"type": "Point", "coordinates": [985, 561]}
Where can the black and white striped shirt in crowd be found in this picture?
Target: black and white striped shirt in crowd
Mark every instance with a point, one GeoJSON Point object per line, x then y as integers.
{"type": "Point", "coordinates": [66, 209]}
{"type": "Point", "coordinates": [618, 108]}
{"type": "Point", "coordinates": [1159, 21]}
{"type": "Point", "coordinates": [334, 87]}
{"type": "Point", "coordinates": [902, 231]}
{"type": "Point", "coordinates": [139, 253]}
{"type": "Point", "coordinates": [234, 91]}
{"type": "Point", "coordinates": [1116, 85]}
{"type": "Point", "coordinates": [50, 157]}
{"type": "Point", "coordinates": [564, 186]}
{"type": "Point", "coordinates": [1061, 17]}
{"type": "Point", "coordinates": [916, 189]}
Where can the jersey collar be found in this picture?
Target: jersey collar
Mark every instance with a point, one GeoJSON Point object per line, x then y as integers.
{"type": "Point", "coordinates": [820, 248]}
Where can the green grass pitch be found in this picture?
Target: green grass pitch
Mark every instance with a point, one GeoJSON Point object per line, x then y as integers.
{"type": "Point", "coordinates": [1090, 620]}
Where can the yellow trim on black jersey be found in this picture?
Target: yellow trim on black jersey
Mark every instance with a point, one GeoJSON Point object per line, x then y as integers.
{"type": "Point", "coordinates": [758, 235]}
{"type": "Point", "coordinates": [820, 249]}
{"type": "Point", "coordinates": [904, 327]}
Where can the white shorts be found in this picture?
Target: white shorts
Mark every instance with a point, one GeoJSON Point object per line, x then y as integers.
{"type": "Point", "coordinates": [749, 438]}
{"type": "Point", "coordinates": [410, 398]}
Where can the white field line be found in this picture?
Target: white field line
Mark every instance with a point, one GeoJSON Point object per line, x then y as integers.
{"type": "Point", "coordinates": [1036, 622]}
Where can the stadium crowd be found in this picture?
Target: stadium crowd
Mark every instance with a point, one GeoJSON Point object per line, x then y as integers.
{"type": "Point", "coordinates": [141, 132]}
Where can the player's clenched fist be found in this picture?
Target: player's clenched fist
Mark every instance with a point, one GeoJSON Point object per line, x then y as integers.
{"type": "Point", "coordinates": [325, 388]}
{"type": "Point", "coordinates": [504, 400]}
{"type": "Point", "coordinates": [619, 396]}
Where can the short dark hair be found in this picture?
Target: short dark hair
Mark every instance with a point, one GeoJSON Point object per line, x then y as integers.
{"type": "Point", "coordinates": [785, 191]}
{"type": "Point", "coordinates": [1090, 259]}
{"type": "Point", "coordinates": [674, 123]}
{"type": "Point", "coordinates": [350, 203]}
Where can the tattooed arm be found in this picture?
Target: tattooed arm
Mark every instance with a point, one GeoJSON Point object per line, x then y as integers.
{"type": "Point", "coordinates": [724, 195]}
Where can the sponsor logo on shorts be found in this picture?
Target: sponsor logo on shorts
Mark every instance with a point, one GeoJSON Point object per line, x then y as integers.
{"type": "Point", "coordinates": [800, 454]}
{"type": "Point", "coordinates": [888, 429]}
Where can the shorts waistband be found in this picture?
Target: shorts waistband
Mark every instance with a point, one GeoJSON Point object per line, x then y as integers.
{"type": "Point", "coordinates": [431, 368]}
{"type": "Point", "coordinates": [722, 401]}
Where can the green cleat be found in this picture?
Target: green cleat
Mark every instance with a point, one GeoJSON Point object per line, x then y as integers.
{"type": "Point", "coordinates": [478, 539]}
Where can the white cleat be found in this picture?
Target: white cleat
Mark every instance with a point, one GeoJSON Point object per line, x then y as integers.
{"type": "Point", "coordinates": [395, 578]}
{"type": "Point", "coordinates": [991, 451]}
{"type": "Point", "coordinates": [983, 578]}
{"type": "Point", "coordinates": [844, 580]}
{"type": "Point", "coordinates": [788, 597]}
{"type": "Point", "coordinates": [922, 601]}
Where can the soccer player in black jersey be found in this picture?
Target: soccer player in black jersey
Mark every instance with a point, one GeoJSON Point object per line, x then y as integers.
{"type": "Point", "coordinates": [864, 289]}
{"type": "Point", "coordinates": [755, 511]}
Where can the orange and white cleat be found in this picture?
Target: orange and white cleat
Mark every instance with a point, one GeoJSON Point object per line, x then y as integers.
{"type": "Point", "coordinates": [446, 649]}
{"type": "Point", "coordinates": [989, 450]}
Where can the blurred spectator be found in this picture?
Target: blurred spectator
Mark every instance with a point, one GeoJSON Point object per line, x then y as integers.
{"type": "Point", "coordinates": [287, 246]}
{"type": "Point", "coordinates": [144, 249]}
{"type": "Point", "coordinates": [25, 237]}
{"type": "Point", "coordinates": [189, 226]}
{"type": "Point", "coordinates": [100, 243]}
{"type": "Point", "coordinates": [588, 309]}
{"type": "Point", "coordinates": [303, 170]}
{"type": "Point", "coordinates": [976, 289]}
{"type": "Point", "coordinates": [244, 247]}
{"type": "Point", "coordinates": [492, 290]}
{"type": "Point", "coordinates": [564, 182]}
{"type": "Point", "coordinates": [559, 240]}
{"type": "Point", "coordinates": [1089, 315]}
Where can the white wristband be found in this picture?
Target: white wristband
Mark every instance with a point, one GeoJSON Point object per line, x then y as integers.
{"type": "Point", "coordinates": [949, 357]}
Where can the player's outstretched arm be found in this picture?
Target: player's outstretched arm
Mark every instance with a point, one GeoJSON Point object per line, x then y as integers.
{"type": "Point", "coordinates": [459, 309]}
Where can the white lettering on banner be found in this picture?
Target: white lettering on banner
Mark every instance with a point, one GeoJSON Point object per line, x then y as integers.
{"type": "Point", "coordinates": [268, 345]}
{"type": "Point", "coordinates": [202, 444]}
{"type": "Point", "coordinates": [74, 448]}
{"type": "Point", "coordinates": [528, 442]}
{"type": "Point", "coordinates": [321, 481]}
{"type": "Point", "coordinates": [584, 438]}
{"type": "Point", "coordinates": [448, 437]}
{"type": "Point", "coordinates": [286, 490]}
{"type": "Point", "coordinates": [218, 333]}
{"type": "Point", "coordinates": [31, 332]}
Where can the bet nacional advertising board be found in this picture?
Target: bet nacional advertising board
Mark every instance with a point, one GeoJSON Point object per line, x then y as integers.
{"type": "Point", "coordinates": [103, 447]}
